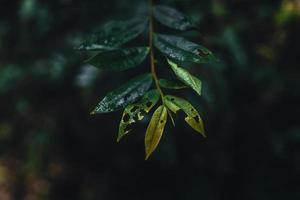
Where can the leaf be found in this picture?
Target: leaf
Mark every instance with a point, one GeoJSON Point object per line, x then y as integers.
{"type": "Point", "coordinates": [113, 35]}
{"type": "Point", "coordinates": [188, 79]}
{"type": "Point", "coordinates": [119, 60]}
{"type": "Point", "coordinates": [193, 118]}
{"type": "Point", "coordinates": [172, 18]}
{"type": "Point", "coordinates": [125, 95]}
{"type": "Point", "coordinates": [168, 84]}
{"type": "Point", "coordinates": [155, 130]}
{"type": "Point", "coordinates": [136, 111]}
{"type": "Point", "coordinates": [183, 50]}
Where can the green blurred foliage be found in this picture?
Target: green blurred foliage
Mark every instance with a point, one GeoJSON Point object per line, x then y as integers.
{"type": "Point", "coordinates": [51, 148]}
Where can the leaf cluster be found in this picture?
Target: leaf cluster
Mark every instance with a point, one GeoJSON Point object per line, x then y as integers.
{"type": "Point", "coordinates": [136, 97]}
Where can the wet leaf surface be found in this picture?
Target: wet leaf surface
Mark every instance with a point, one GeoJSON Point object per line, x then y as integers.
{"type": "Point", "coordinates": [127, 94]}
{"type": "Point", "coordinates": [114, 34]}
{"type": "Point", "coordinates": [181, 49]}
{"type": "Point", "coordinates": [172, 18]}
{"type": "Point", "coordinates": [119, 60]}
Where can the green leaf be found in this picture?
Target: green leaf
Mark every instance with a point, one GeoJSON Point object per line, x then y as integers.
{"type": "Point", "coordinates": [170, 84]}
{"type": "Point", "coordinates": [127, 94]}
{"type": "Point", "coordinates": [155, 130]}
{"type": "Point", "coordinates": [119, 60]}
{"type": "Point", "coordinates": [193, 118]}
{"type": "Point", "coordinates": [113, 35]}
{"type": "Point", "coordinates": [181, 49]}
{"type": "Point", "coordinates": [188, 79]}
{"type": "Point", "coordinates": [172, 18]}
{"type": "Point", "coordinates": [136, 111]}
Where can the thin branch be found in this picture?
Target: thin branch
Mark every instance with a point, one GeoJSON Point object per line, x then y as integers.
{"type": "Point", "coordinates": [153, 70]}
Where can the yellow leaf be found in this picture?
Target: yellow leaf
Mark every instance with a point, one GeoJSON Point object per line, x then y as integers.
{"type": "Point", "coordinates": [155, 129]}
{"type": "Point", "coordinates": [193, 118]}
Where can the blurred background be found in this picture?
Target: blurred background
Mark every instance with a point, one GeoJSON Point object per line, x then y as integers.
{"type": "Point", "coordinates": [52, 149]}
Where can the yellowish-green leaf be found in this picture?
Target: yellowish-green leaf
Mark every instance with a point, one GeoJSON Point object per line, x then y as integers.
{"type": "Point", "coordinates": [184, 76]}
{"type": "Point", "coordinates": [155, 129]}
{"type": "Point", "coordinates": [136, 111]}
{"type": "Point", "coordinates": [193, 118]}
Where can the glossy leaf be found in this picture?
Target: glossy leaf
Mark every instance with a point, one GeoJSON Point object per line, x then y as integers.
{"type": "Point", "coordinates": [181, 49]}
{"type": "Point", "coordinates": [120, 59]}
{"type": "Point", "coordinates": [127, 94]}
{"type": "Point", "coordinates": [172, 18]}
{"type": "Point", "coordinates": [155, 129]}
{"type": "Point", "coordinates": [193, 118]}
{"type": "Point", "coordinates": [188, 79]}
{"type": "Point", "coordinates": [114, 34]}
{"type": "Point", "coordinates": [134, 112]}
{"type": "Point", "coordinates": [170, 84]}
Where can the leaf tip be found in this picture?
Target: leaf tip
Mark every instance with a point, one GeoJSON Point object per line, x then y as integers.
{"type": "Point", "coordinates": [119, 139]}
{"type": "Point", "coordinates": [215, 59]}
{"type": "Point", "coordinates": [147, 156]}
{"type": "Point", "coordinates": [93, 112]}
{"type": "Point", "coordinates": [199, 92]}
{"type": "Point", "coordinates": [203, 132]}
{"type": "Point", "coordinates": [121, 135]}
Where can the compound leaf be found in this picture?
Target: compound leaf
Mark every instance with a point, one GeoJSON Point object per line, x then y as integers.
{"type": "Point", "coordinates": [127, 94]}
{"type": "Point", "coordinates": [155, 129]}
{"type": "Point", "coordinates": [193, 118]}
{"type": "Point", "coordinates": [170, 84]}
{"type": "Point", "coordinates": [134, 112]}
{"type": "Point", "coordinates": [120, 59]}
{"type": "Point", "coordinates": [188, 79]}
{"type": "Point", "coordinates": [172, 18]}
{"type": "Point", "coordinates": [181, 49]}
{"type": "Point", "coordinates": [114, 34]}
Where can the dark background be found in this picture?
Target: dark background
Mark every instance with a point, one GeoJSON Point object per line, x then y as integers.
{"type": "Point", "coordinates": [51, 148]}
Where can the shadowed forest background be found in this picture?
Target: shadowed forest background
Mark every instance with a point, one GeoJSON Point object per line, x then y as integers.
{"type": "Point", "coordinates": [52, 149]}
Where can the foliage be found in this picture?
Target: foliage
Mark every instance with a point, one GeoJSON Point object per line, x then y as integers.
{"type": "Point", "coordinates": [133, 95]}
{"type": "Point", "coordinates": [51, 148]}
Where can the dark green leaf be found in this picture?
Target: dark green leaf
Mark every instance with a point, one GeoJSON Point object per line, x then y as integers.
{"type": "Point", "coordinates": [172, 18]}
{"type": "Point", "coordinates": [193, 118]}
{"type": "Point", "coordinates": [114, 34]}
{"type": "Point", "coordinates": [183, 50]}
{"type": "Point", "coordinates": [155, 129]}
{"type": "Point", "coordinates": [188, 79]}
{"type": "Point", "coordinates": [136, 111]}
{"type": "Point", "coordinates": [168, 84]}
{"type": "Point", "coordinates": [127, 94]}
{"type": "Point", "coordinates": [119, 60]}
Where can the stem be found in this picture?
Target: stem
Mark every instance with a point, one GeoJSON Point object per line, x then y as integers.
{"type": "Point", "coordinates": [153, 71]}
